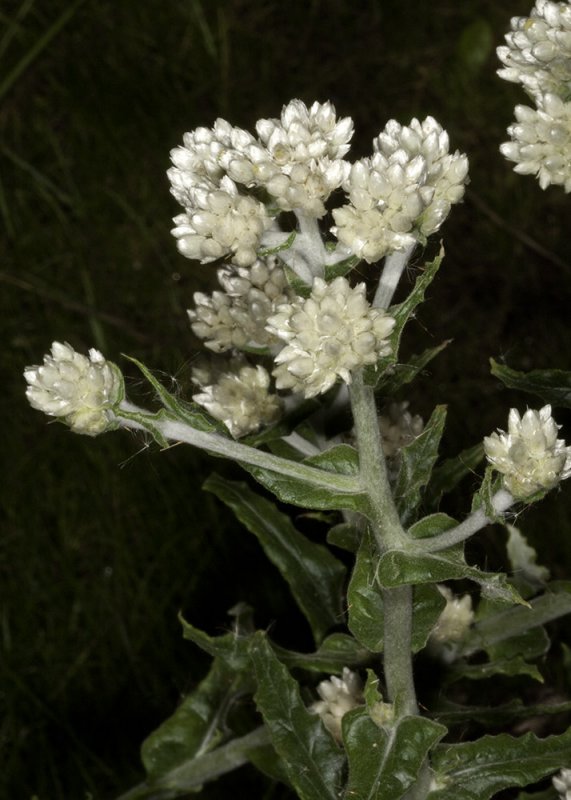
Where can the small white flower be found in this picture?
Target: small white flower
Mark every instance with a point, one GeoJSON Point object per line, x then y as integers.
{"type": "Point", "coordinates": [403, 192]}
{"type": "Point", "coordinates": [331, 333]}
{"type": "Point", "coordinates": [237, 317]}
{"type": "Point", "coordinates": [399, 428]}
{"type": "Point", "coordinates": [338, 696]}
{"type": "Point", "coordinates": [81, 391]}
{"type": "Point", "coordinates": [220, 221]}
{"type": "Point", "coordinates": [240, 399]}
{"type": "Point", "coordinates": [541, 141]}
{"type": "Point", "coordinates": [529, 455]}
{"type": "Point", "coordinates": [455, 619]}
{"type": "Point", "coordinates": [562, 783]}
{"type": "Point", "coordinates": [538, 50]}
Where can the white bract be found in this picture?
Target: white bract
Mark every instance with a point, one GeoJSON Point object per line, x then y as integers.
{"type": "Point", "coordinates": [403, 192]}
{"type": "Point", "coordinates": [529, 456]}
{"type": "Point", "coordinates": [241, 399]}
{"type": "Point", "coordinates": [338, 696]}
{"type": "Point", "coordinates": [237, 316]}
{"type": "Point", "coordinates": [79, 390]}
{"type": "Point", "coordinates": [538, 50]}
{"type": "Point", "coordinates": [328, 335]}
{"type": "Point", "coordinates": [562, 783]}
{"type": "Point", "coordinates": [523, 558]}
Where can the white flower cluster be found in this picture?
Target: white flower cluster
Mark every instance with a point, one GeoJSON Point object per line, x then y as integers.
{"type": "Point", "coordinates": [529, 456]}
{"type": "Point", "coordinates": [538, 56]}
{"type": "Point", "coordinates": [237, 316]}
{"type": "Point", "coordinates": [297, 160]}
{"type": "Point", "coordinates": [327, 335]}
{"type": "Point", "coordinates": [541, 142]}
{"type": "Point", "coordinates": [338, 696]}
{"type": "Point", "coordinates": [399, 428]}
{"type": "Point", "coordinates": [403, 192]}
{"type": "Point", "coordinates": [79, 390]}
{"type": "Point", "coordinates": [455, 619]}
{"type": "Point", "coordinates": [240, 399]}
{"type": "Point", "coordinates": [523, 559]}
{"type": "Point", "coordinates": [537, 52]}
{"type": "Point", "coordinates": [562, 783]}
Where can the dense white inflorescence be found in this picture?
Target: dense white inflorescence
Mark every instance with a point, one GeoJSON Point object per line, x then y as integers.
{"type": "Point", "coordinates": [562, 783]}
{"type": "Point", "coordinates": [79, 390]}
{"type": "Point", "coordinates": [328, 335]}
{"type": "Point", "coordinates": [455, 619]}
{"type": "Point", "coordinates": [240, 399]}
{"type": "Point", "coordinates": [237, 316]}
{"type": "Point", "coordinates": [541, 141]}
{"type": "Point", "coordinates": [529, 456]}
{"type": "Point", "coordinates": [338, 696]}
{"type": "Point", "coordinates": [399, 428]}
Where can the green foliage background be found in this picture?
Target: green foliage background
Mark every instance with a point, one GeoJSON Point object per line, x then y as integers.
{"type": "Point", "coordinates": [103, 541]}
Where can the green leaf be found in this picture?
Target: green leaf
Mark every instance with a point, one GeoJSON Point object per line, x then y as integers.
{"type": "Point", "coordinates": [231, 648]}
{"type": "Point", "coordinates": [190, 413]}
{"type": "Point", "coordinates": [548, 794]}
{"type": "Point", "coordinates": [385, 762]}
{"type": "Point", "coordinates": [552, 385]}
{"type": "Point", "coordinates": [416, 462]}
{"type": "Point", "coordinates": [365, 598]}
{"type": "Point", "coordinates": [400, 568]}
{"type": "Point", "coordinates": [448, 475]}
{"type": "Point", "coordinates": [346, 536]}
{"type": "Point", "coordinates": [313, 761]}
{"type": "Point", "coordinates": [335, 652]}
{"type": "Point", "coordinates": [501, 666]}
{"type": "Point", "coordinates": [453, 714]}
{"type": "Point", "coordinates": [341, 459]}
{"type": "Point", "coordinates": [312, 572]}
{"type": "Point", "coordinates": [366, 608]}
{"type": "Point", "coordinates": [430, 526]}
{"type": "Point", "coordinates": [479, 770]}
{"type": "Point", "coordinates": [513, 622]}
{"type": "Point", "coordinates": [402, 313]}
{"type": "Point", "coordinates": [286, 424]}
{"type": "Point", "coordinates": [285, 245]}
{"type": "Point", "coordinates": [196, 727]}
{"type": "Point", "coordinates": [402, 374]}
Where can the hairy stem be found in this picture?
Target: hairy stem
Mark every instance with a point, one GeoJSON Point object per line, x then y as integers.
{"type": "Point", "coordinates": [389, 534]}
{"type": "Point", "coordinates": [393, 268]}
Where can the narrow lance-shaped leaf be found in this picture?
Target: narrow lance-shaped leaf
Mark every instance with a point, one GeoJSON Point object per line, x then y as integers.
{"type": "Point", "coordinates": [479, 770]}
{"type": "Point", "coordinates": [340, 460]}
{"type": "Point", "coordinates": [416, 463]}
{"type": "Point", "coordinates": [552, 385]}
{"type": "Point", "coordinates": [402, 374]}
{"type": "Point", "coordinates": [313, 761]}
{"type": "Point", "coordinates": [448, 475]}
{"type": "Point", "coordinates": [385, 762]}
{"type": "Point", "coordinates": [314, 575]}
{"type": "Point", "coordinates": [400, 568]}
{"type": "Point", "coordinates": [402, 313]}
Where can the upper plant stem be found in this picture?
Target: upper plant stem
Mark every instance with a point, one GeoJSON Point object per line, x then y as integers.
{"type": "Point", "coordinates": [393, 268]}
{"type": "Point", "coordinates": [389, 534]}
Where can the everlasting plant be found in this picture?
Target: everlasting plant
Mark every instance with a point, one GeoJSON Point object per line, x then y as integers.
{"type": "Point", "coordinates": [304, 389]}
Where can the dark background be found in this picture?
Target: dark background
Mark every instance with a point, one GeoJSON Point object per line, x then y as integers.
{"type": "Point", "coordinates": [104, 541]}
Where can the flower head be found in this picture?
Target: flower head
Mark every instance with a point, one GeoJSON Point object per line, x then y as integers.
{"type": "Point", "coordinates": [562, 783]}
{"type": "Point", "coordinates": [455, 619]}
{"type": "Point", "coordinates": [219, 221]}
{"type": "Point", "coordinates": [327, 335]}
{"type": "Point", "coordinates": [399, 428]}
{"type": "Point", "coordinates": [541, 141]}
{"type": "Point", "coordinates": [530, 456]}
{"type": "Point", "coordinates": [338, 696]}
{"type": "Point", "coordinates": [237, 316]}
{"type": "Point", "coordinates": [537, 53]}
{"type": "Point", "coordinates": [403, 192]}
{"type": "Point", "coordinates": [240, 399]}
{"type": "Point", "coordinates": [81, 391]}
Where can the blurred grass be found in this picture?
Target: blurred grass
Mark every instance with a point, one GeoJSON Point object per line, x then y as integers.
{"type": "Point", "coordinates": [104, 541]}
